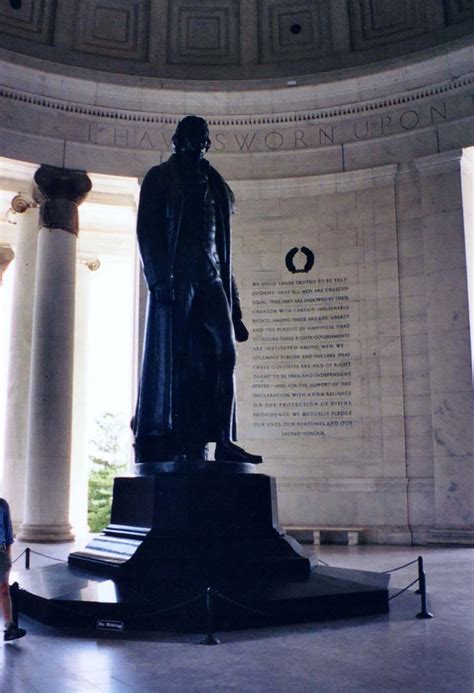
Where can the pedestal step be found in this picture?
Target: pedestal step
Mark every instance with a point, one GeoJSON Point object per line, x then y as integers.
{"type": "Point", "coordinates": [190, 527]}
{"type": "Point", "coordinates": [60, 595]}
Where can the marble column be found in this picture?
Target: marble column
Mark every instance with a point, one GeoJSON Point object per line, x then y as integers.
{"type": "Point", "coordinates": [46, 517]}
{"type": "Point", "coordinates": [79, 455]}
{"type": "Point", "coordinates": [26, 218]}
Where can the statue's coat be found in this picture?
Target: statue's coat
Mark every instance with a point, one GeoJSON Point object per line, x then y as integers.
{"type": "Point", "coordinates": [158, 227]}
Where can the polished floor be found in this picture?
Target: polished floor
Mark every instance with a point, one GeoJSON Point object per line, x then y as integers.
{"type": "Point", "coordinates": [395, 652]}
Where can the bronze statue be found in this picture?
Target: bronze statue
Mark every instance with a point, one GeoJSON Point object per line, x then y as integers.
{"type": "Point", "coordinates": [186, 396]}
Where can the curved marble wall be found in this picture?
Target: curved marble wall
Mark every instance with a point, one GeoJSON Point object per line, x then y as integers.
{"type": "Point", "coordinates": [352, 122]}
{"type": "Point", "coordinates": [364, 171]}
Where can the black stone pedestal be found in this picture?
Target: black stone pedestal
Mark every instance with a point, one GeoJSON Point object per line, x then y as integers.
{"type": "Point", "coordinates": [183, 532]}
{"type": "Point", "coordinates": [209, 525]}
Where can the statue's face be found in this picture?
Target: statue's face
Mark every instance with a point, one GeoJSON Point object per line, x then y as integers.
{"type": "Point", "coordinates": [192, 138]}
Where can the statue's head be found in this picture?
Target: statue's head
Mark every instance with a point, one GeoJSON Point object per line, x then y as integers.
{"type": "Point", "coordinates": [192, 137]}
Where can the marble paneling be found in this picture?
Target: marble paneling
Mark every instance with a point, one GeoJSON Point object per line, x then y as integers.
{"type": "Point", "coordinates": [442, 192]}
{"type": "Point", "coordinates": [101, 159]}
{"type": "Point", "coordinates": [452, 424]}
{"type": "Point", "coordinates": [27, 147]}
{"type": "Point", "coordinates": [411, 267]}
{"type": "Point", "coordinates": [453, 491]}
{"type": "Point", "coordinates": [421, 505]}
{"type": "Point", "coordinates": [363, 186]}
{"type": "Point", "coordinates": [397, 148]}
{"type": "Point", "coordinates": [443, 239]}
{"type": "Point", "coordinates": [450, 361]}
{"type": "Point", "coordinates": [353, 234]}
{"type": "Point", "coordinates": [455, 137]}
{"type": "Point", "coordinates": [447, 301]}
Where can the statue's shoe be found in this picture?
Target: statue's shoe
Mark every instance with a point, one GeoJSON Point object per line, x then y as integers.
{"type": "Point", "coordinates": [229, 452]}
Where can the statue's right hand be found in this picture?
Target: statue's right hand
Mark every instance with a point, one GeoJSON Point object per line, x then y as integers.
{"type": "Point", "coordinates": [164, 293]}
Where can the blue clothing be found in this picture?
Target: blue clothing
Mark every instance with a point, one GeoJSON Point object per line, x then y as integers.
{"type": "Point", "coordinates": [6, 530]}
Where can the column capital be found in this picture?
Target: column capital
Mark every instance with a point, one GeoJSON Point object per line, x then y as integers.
{"type": "Point", "coordinates": [61, 191]}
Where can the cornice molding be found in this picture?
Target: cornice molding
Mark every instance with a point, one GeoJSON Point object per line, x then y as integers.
{"type": "Point", "coordinates": [318, 114]}
{"type": "Point", "coordinates": [302, 131]}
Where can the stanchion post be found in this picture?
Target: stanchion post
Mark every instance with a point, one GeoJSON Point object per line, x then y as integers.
{"type": "Point", "coordinates": [424, 613]}
{"type": "Point", "coordinates": [27, 557]}
{"type": "Point", "coordinates": [14, 593]}
{"type": "Point", "coordinates": [210, 639]}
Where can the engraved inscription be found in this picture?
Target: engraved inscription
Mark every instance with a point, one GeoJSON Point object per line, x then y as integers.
{"type": "Point", "coordinates": [302, 357]}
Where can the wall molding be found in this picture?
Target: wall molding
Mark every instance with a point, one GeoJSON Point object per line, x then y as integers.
{"type": "Point", "coordinates": [145, 117]}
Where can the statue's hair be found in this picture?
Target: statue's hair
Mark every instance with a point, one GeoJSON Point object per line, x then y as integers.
{"type": "Point", "coordinates": [183, 128]}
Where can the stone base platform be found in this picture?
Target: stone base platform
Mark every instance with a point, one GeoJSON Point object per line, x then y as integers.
{"type": "Point", "coordinates": [173, 535]}
{"type": "Point", "coordinates": [209, 524]}
{"type": "Point", "coordinates": [62, 596]}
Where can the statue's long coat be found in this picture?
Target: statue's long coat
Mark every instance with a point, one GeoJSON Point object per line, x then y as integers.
{"type": "Point", "coordinates": [158, 227]}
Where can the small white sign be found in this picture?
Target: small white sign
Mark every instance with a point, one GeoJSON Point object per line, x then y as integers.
{"type": "Point", "coordinates": [106, 624]}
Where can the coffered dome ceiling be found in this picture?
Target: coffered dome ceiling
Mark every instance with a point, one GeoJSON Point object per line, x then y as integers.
{"type": "Point", "coordinates": [227, 39]}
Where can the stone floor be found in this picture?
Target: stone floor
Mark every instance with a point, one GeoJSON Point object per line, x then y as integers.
{"type": "Point", "coordinates": [396, 652]}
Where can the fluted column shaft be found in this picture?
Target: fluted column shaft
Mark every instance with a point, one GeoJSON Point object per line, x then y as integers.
{"type": "Point", "coordinates": [79, 454]}
{"type": "Point", "coordinates": [16, 425]}
{"type": "Point", "coordinates": [46, 516]}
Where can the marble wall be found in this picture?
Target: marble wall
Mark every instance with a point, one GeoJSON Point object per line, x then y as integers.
{"type": "Point", "coordinates": [368, 425]}
{"type": "Point", "coordinates": [349, 248]}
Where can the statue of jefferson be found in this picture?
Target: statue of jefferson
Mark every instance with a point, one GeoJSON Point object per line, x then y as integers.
{"type": "Point", "coordinates": [186, 396]}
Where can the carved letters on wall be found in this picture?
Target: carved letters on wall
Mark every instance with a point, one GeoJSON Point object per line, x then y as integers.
{"type": "Point", "coordinates": [270, 138]}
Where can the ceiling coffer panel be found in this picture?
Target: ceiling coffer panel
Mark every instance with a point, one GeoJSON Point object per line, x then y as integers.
{"type": "Point", "coordinates": [378, 22]}
{"type": "Point", "coordinates": [294, 30]}
{"type": "Point", "coordinates": [112, 28]}
{"type": "Point", "coordinates": [30, 19]}
{"type": "Point", "coordinates": [203, 32]}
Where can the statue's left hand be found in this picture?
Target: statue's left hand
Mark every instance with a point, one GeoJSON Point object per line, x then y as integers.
{"type": "Point", "coordinates": [241, 332]}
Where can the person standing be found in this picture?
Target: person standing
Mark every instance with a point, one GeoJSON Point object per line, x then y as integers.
{"type": "Point", "coordinates": [12, 632]}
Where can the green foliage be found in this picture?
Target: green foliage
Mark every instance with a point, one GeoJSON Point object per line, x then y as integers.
{"type": "Point", "coordinates": [107, 461]}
